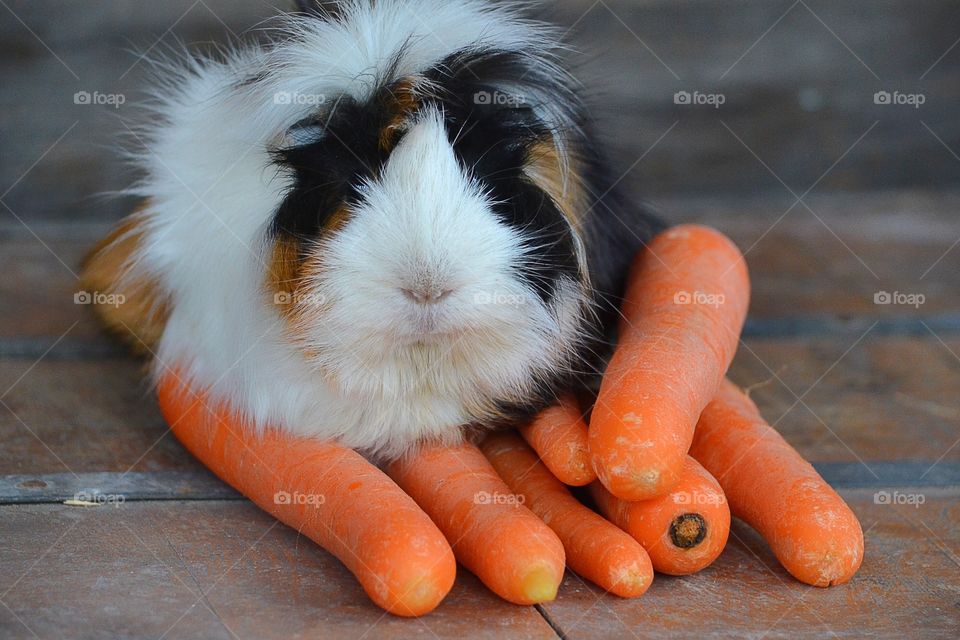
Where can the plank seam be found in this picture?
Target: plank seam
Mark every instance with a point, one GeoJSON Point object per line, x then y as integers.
{"type": "Point", "coordinates": [200, 485]}
{"type": "Point", "coordinates": [550, 621]}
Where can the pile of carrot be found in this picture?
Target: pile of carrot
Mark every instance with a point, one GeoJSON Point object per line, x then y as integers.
{"type": "Point", "coordinates": [671, 450]}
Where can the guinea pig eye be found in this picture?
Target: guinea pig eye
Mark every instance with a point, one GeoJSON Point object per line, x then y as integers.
{"type": "Point", "coordinates": [306, 131]}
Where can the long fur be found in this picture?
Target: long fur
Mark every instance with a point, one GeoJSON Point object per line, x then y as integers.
{"type": "Point", "coordinates": [290, 298]}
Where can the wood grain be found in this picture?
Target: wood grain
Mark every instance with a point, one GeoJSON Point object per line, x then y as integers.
{"type": "Point", "coordinates": [905, 588]}
{"type": "Point", "coordinates": [41, 266]}
{"type": "Point", "coordinates": [98, 572]}
{"type": "Point", "coordinates": [796, 94]}
{"type": "Point", "coordinates": [858, 397]}
{"type": "Point", "coordinates": [828, 262]}
{"type": "Point", "coordinates": [227, 568]}
{"type": "Point", "coordinates": [62, 417]}
{"type": "Point", "coordinates": [134, 569]}
{"type": "Point", "coordinates": [35, 488]}
{"type": "Point", "coordinates": [200, 484]}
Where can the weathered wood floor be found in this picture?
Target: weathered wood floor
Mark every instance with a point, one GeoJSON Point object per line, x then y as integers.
{"type": "Point", "coordinates": [867, 391]}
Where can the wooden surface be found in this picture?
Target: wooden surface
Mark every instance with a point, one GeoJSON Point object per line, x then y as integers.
{"type": "Point", "coordinates": [207, 569]}
{"type": "Point", "coordinates": [867, 391]}
{"type": "Point", "coordinates": [798, 80]}
{"type": "Point", "coordinates": [219, 569]}
{"type": "Point", "coordinates": [906, 587]}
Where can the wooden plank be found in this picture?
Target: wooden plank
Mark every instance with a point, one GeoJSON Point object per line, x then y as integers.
{"type": "Point", "coordinates": [807, 276]}
{"type": "Point", "coordinates": [110, 487]}
{"type": "Point", "coordinates": [794, 93]}
{"type": "Point", "coordinates": [831, 261]}
{"type": "Point", "coordinates": [63, 417]}
{"type": "Point", "coordinates": [114, 487]}
{"type": "Point", "coordinates": [880, 474]}
{"type": "Point", "coordinates": [907, 587]}
{"type": "Point", "coordinates": [316, 593]}
{"type": "Point", "coordinates": [798, 96]}
{"type": "Point", "coordinates": [880, 399]}
{"type": "Point", "coordinates": [840, 399]}
{"type": "Point", "coordinates": [41, 266]}
{"type": "Point", "coordinates": [133, 570]}
{"type": "Point", "coordinates": [94, 49]}
{"type": "Point", "coordinates": [99, 572]}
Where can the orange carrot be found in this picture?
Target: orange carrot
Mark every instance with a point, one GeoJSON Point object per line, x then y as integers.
{"type": "Point", "coordinates": [329, 493]}
{"type": "Point", "coordinates": [812, 531]}
{"type": "Point", "coordinates": [493, 535]}
{"type": "Point", "coordinates": [683, 531]}
{"type": "Point", "coordinates": [596, 549]}
{"type": "Point", "coordinates": [685, 305]}
{"type": "Point", "coordinates": [559, 436]}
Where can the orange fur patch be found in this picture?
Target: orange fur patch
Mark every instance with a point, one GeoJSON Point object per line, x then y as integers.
{"type": "Point", "coordinates": [403, 101]}
{"type": "Point", "coordinates": [134, 305]}
{"type": "Point", "coordinates": [290, 279]}
{"type": "Point", "coordinates": [543, 166]}
{"type": "Point", "coordinates": [337, 219]}
{"type": "Point", "coordinates": [283, 271]}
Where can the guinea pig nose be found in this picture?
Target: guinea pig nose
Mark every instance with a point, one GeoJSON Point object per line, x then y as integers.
{"type": "Point", "coordinates": [426, 295]}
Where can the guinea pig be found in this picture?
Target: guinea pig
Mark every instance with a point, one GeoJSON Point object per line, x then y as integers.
{"type": "Point", "coordinates": [389, 221]}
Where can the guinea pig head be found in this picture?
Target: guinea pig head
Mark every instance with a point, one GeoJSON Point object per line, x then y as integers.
{"type": "Point", "coordinates": [430, 243]}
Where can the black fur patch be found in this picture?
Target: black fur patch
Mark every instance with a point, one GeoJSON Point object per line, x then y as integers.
{"type": "Point", "coordinates": [492, 132]}
{"type": "Point", "coordinates": [329, 171]}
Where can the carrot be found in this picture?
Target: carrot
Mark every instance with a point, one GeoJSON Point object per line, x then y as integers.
{"type": "Point", "coordinates": [595, 549]}
{"type": "Point", "coordinates": [493, 535]}
{"type": "Point", "coordinates": [685, 305]}
{"type": "Point", "coordinates": [683, 531]}
{"type": "Point", "coordinates": [559, 436]}
{"type": "Point", "coordinates": [327, 492]}
{"type": "Point", "coordinates": [812, 531]}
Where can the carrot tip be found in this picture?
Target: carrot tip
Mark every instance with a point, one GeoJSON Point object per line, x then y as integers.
{"type": "Point", "coordinates": [633, 580]}
{"type": "Point", "coordinates": [540, 585]}
{"type": "Point", "coordinates": [423, 595]}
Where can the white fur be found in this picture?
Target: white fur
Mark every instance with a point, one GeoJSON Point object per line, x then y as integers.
{"type": "Point", "coordinates": [384, 371]}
